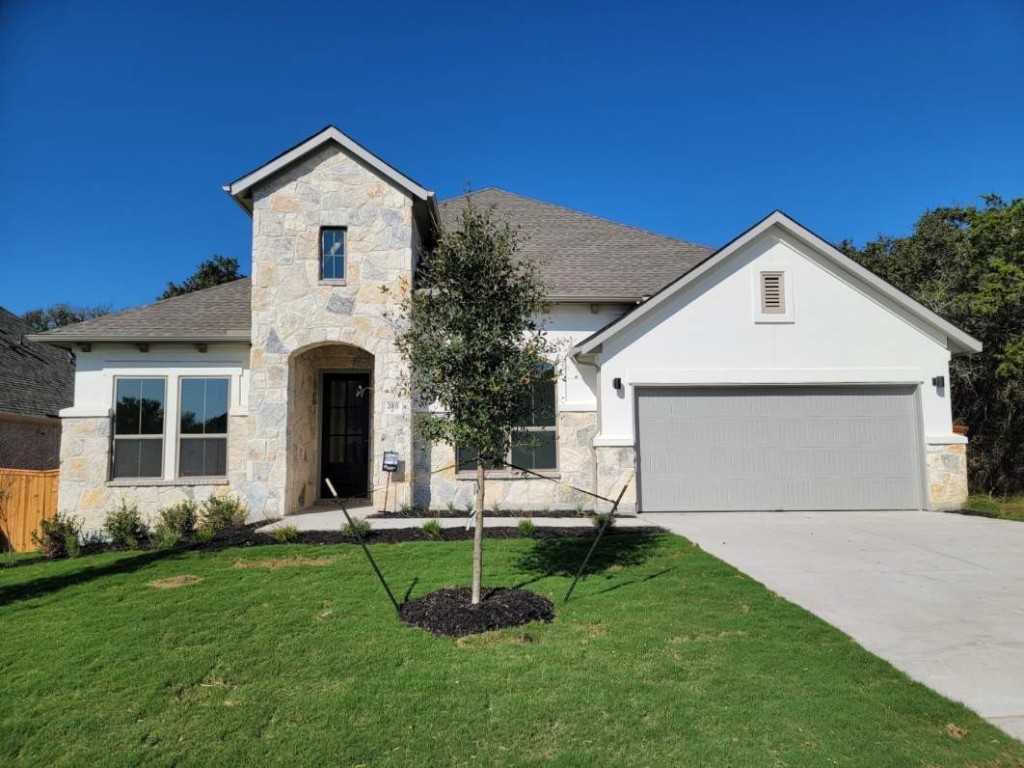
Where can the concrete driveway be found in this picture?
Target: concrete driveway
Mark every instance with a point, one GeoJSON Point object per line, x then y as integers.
{"type": "Point", "coordinates": [940, 596]}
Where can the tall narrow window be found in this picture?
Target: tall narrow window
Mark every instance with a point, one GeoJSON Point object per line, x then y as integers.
{"type": "Point", "coordinates": [773, 294]}
{"type": "Point", "coordinates": [139, 427]}
{"type": "Point", "coordinates": [203, 450]}
{"type": "Point", "coordinates": [332, 253]}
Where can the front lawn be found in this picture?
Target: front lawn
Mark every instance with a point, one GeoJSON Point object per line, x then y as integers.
{"type": "Point", "coordinates": [291, 655]}
{"type": "Point", "coordinates": [1009, 508]}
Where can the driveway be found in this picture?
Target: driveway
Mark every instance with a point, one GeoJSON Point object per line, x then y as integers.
{"type": "Point", "coordinates": [940, 596]}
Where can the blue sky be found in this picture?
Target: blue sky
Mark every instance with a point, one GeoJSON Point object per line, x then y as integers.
{"type": "Point", "coordinates": [120, 121]}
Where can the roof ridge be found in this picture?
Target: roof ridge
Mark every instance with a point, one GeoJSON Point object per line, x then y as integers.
{"type": "Point", "coordinates": [594, 216]}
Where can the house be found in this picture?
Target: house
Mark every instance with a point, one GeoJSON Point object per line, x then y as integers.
{"type": "Point", "coordinates": [36, 382]}
{"type": "Point", "coordinates": [772, 373]}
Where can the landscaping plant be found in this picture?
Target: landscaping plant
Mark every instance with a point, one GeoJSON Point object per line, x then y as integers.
{"type": "Point", "coordinates": [181, 517]}
{"type": "Point", "coordinates": [473, 345]}
{"type": "Point", "coordinates": [124, 525]}
{"type": "Point", "coordinates": [285, 534]}
{"type": "Point", "coordinates": [432, 528]}
{"type": "Point", "coordinates": [356, 528]}
{"type": "Point", "coordinates": [222, 513]}
{"type": "Point", "coordinates": [57, 536]}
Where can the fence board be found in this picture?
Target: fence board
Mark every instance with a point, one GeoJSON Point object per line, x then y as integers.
{"type": "Point", "coordinates": [26, 497]}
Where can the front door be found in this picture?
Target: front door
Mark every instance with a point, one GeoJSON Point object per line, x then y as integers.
{"type": "Point", "coordinates": [345, 434]}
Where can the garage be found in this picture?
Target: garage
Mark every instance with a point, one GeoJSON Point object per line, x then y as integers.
{"type": "Point", "coordinates": [734, 448]}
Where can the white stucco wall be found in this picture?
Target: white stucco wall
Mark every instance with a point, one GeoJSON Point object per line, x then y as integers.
{"type": "Point", "coordinates": [841, 331]}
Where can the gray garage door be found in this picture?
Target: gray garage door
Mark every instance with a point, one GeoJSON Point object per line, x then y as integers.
{"type": "Point", "coordinates": [757, 448]}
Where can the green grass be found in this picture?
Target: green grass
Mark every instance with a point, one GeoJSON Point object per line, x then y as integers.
{"type": "Point", "coordinates": [664, 657]}
{"type": "Point", "coordinates": [1010, 508]}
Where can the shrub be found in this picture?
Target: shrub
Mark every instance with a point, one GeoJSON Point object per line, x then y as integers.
{"type": "Point", "coordinates": [405, 509]}
{"type": "Point", "coordinates": [599, 519]}
{"type": "Point", "coordinates": [432, 529]}
{"type": "Point", "coordinates": [57, 536]}
{"type": "Point", "coordinates": [164, 537]}
{"type": "Point", "coordinates": [221, 513]}
{"type": "Point", "coordinates": [285, 534]}
{"type": "Point", "coordinates": [205, 534]}
{"type": "Point", "coordinates": [452, 509]}
{"type": "Point", "coordinates": [526, 526]}
{"type": "Point", "coordinates": [358, 527]}
{"type": "Point", "coordinates": [495, 508]}
{"type": "Point", "coordinates": [181, 518]}
{"type": "Point", "coordinates": [124, 525]}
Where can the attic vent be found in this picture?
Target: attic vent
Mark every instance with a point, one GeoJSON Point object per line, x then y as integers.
{"type": "Point", "coordinates": [773, 297]}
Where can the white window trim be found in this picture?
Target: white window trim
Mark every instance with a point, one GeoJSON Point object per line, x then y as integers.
{"type": "Point", "coordinates": [320, 255]}
{"type": "Point", "coordinates": [761, 317]}
{"type": "Point", "coordinates": [177, 428]}
{"type": "Point", "coordinates": [114, 436]}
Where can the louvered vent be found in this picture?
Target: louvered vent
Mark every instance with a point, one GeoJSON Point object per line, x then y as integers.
{"type": "Point", "coordinates": [773, 297]}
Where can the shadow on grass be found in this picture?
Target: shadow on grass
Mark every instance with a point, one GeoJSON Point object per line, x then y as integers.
{"type": "Point", "coordinates": [563, 557]}
{"type": "Point", "coordinates": [51, 584]}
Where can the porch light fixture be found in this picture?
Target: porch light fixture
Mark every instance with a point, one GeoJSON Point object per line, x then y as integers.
{"type": "Point", "coordinates": [617, 384]}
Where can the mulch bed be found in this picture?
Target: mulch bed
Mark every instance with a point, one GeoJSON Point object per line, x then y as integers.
{"type": "Point", "coordinates": [461, 513]}
{"type": "Point", "coordinates": [449, 612]}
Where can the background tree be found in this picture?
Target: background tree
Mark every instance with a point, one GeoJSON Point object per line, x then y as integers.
{"type": "Point", "coordinates": [59, 315]}
{"type": "Point", "coordinates": [967, 264]}
{"type": "Point", "coordinates": [215, 271]}
{"type": "Point", "coordinates": [473, 345]}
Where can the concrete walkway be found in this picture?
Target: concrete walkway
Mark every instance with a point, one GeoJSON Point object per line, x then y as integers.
{"type": "Point", "coordinates": [331, 519]}
{"type": "Point", "coordinates": [939, 596]}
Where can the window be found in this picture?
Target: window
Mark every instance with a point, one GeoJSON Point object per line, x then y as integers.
{"type": "Point", "coordinates": [332, 253]}
{"type": "Point", "coordinates": [533, 443]}
{"type": "Point", "coordinates": [139, 427]}
{"type": "Point", "coordinates": [203, 445]}
{"type": "Point", "coordinates": [773, 293]}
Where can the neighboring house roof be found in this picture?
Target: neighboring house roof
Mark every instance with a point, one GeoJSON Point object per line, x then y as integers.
{"type": "Point", "coordinates": [957, 341]}
{"type": "Point", "coordinates": [221, 313]}
{"type": "Point", "coordinates": [582, 257]}
{"type": "Point", "coordinates": [35, 380]}
{"type": "Point", "coordinates": [241, 189]}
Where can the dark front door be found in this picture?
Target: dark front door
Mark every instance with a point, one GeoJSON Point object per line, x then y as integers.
{"type": "Point", "coordinates": [345, 442]}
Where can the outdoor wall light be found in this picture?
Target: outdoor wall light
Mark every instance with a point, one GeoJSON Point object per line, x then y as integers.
{"type": "Point", "coordinates": [939, 381]}
{"type": "Point", "coordinates": [617, 384]}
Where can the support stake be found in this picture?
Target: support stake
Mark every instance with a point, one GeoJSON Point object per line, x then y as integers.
{"type": "Point", "coordinates": [593, 546]}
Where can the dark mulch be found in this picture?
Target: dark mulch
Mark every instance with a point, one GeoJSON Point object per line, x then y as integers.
{"type": "Point", "coordinates": [450, 513]}
{"type": "Point", "coordinates": [450, 612]}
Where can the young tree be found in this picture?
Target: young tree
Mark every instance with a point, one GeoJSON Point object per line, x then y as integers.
{"type": "Point", "coordinates": [473, 344]}
{"type": "Point", "coordinates": [59, 315]}
{"type": "Point", "coordinates": [215, 271]}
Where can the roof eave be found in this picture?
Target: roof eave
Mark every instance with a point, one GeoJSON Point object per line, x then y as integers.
{"type": "Point", "coordinates": [66, 341]}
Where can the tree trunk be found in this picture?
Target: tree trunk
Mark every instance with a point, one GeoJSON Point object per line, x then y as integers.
{"type": "Point", "coordinates": [478, 532]}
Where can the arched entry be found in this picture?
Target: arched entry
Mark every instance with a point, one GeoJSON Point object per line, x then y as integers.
{"type": "Point", "coordinates": [330, 423]}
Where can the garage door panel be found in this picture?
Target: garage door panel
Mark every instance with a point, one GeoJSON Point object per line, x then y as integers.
{"type": "Point", "coordinates": [779, 448]}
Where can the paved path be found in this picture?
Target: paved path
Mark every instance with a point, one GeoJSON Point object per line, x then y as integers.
{"type": "Point", "coordinates": [940, 596]}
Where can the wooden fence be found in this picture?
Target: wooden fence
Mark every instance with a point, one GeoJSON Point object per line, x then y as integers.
{"type": "Point", "coordinates": [26, 497]}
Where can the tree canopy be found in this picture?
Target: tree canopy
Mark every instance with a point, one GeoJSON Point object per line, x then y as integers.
{"type": "Point", "coordinates": [215, 271]}
{"type": "Point", "coordinates": [967, 264]}
{"type": "Point", "coordinates": [474, 346]}
{"type": "Point", "coordinates": [59, 315]}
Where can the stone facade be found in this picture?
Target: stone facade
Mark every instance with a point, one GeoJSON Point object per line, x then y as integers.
{"type": "Point", "coordinates": [85, 466]}
{"type": "Point", "coordinates": [293, 312]}
{"type": "Point", "coordinates": [580, 465]}
{"type": "Point", "coordinates": [947, 476]}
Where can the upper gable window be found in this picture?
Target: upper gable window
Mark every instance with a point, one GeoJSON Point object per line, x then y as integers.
{"type": "Point", "coordinates": [332, 253]}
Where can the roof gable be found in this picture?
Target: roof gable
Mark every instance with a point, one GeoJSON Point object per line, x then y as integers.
{"type": "Point", "coordinates": [241, 189]}
{"type": "Point", "coordinates": [582, 257]}
{"type": "Point", "coordinates": [957, 341]}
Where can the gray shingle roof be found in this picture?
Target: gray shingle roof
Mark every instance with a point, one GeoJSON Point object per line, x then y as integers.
{"type": "Point", "coordinates": [35, 380]}
{"type": "Point", "coordinates": [221, 313]}
{"type": "Point", "coordinates": [585, 256]}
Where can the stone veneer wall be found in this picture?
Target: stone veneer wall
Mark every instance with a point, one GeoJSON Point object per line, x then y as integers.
{"type": "Point", "coordinates": [947, 476]}
{"type": "Point", "coordinates": [436, 484]}
{"type": "Point", "coordinates": [293, 311]}
{"type": "Point", "coordinates": [85, 465]}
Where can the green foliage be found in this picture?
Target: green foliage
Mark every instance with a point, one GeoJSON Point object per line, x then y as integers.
{"type": "Point", "coordinates": [221, 513]}
{"type": "Point", "coordinates": [164, 537]}
{"type": "Point", "coordinates": [526, 526]}
{"type": "Point", "coordinates": [181, 518]}
{"type": "Point", "coordinates": [472, 341]}
{"type": "Point", "coordinates": [358, 527]}
{"type": "Point", "coordinates": [967, 265]}
{"type": "Point", "coordinates": [451, 507]}
{"type": "Point", "coordinates": [285, 534]}
{"type": "Point", "coordinates": [205, 534]}
{"type": "Point", "coordinates": [432, 528]}
{"type": "Point", "coordinates": [57, 536]}
{"type": "Point", "coordinates": [124, 525]}
{"type": "Point", "coordinates": [215, 271]}
{"type": "Point", "coordinates": [602, 519]}
{"type": "Point", "coordinates": [59, 315]}
{"type": "Point", "coordinates": [405, 509]}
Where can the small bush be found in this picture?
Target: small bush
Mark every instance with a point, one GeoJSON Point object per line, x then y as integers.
{"type": "Point", "coordinates": [405, 509]}
{"type": "Point", "coordinates": [205, 534]}
{"type": "Point", "coordinates": [432, 529]}
{"type": "Point", "coordinates": [164, 537]}
{"type": "Point", "coordinates": [222, 513]}
{"type": "Point", "coordinates": [358, 527]}
{"type": "Point", "coordinates": [599, 519]}
{"type": "Point", "coordinates": [124, 525]}
{"type": "Point", "coordinates": [285, 534]}
{"type": "Point", "coordinates": [57, 536]}
{"type": "Point", "coordinates": [452, 509]}
{"type": "Point", "coordinates": [181, 518]}
{"type": "Point", "coordinates": [581, 509]}
{"type": "Point", "coordinates": [526, 526]}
